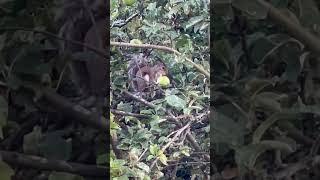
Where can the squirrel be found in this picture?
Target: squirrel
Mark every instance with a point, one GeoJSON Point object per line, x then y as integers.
{"type": "Point", "coordinates": [142, 75]}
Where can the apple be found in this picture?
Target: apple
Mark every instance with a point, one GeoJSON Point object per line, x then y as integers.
{"type": "Point", "coordinates": [164, 81]}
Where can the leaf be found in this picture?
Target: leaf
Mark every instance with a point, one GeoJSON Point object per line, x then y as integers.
{"type": "Point", "coordinates": [183, 41]}
{"type": "Point", "coordinates": [265, 125]}
{"type": "Point", "coordinates": [223, 52]}
{"type": "Point", "coordinates": [29, 61]}
{"type": "Point", "coordinates": [154, 149]}
{"type": "Point", "coordinates": [193, 21]}
{"type": "Point", "coordinates": [227, 130]}
{"type": "Point", "coordinates": [55, 147]}
{"type": "Point", "coordinates": [260, 49]}
{"type": "Point", "coordinates": [286, 114]}
{"type": "Point", "coordinates": [254, 86]}
{"type": "Point", "coordinates": [268, 101]}
{"type": "Point", "coordinates": [31, 141]}
{"type": "Point", "coordinates": [113, 124]}
{"type": "Point", "coordinates": [185, 151]}
{"type": "Point", "coordinates": [176, 102]}
{"type": "Point", "coordinates": [303, 58]}
{"type": "Point", "coordinates": [102, 159]}
{"type": "Point", "coordinates": [126, 107]}
{"type": "Point", "coordinates": [150, 157]}
{"type": "Point", "coordinates": [5, 171]}
{"type": "Point", "coordinates": [246, 156]}
{"type": "Point", "coordinates": [144, 167]}
{"type": "Point", "coordinates": [278, 145]}
{"type": "Point", "coordinates": [163, 158]}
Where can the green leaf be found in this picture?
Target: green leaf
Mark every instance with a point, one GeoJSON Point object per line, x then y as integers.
{"type": "Point", "coordinates": [223, 52]}
{"type": "Point", "coordinates": [227, 130]}
{"type": "Point", "coordinates": [286, 114]}
{"type": "Point", "coordinates": [193, 21]}
{"type": "Point", "coordinates": [32, 140]}
{"type": "Point", "coordinates": [268, 101]}
{"type": "Point", "coordinates": [144, 167]}
{"type": "Point", "coordinates": [183, 41]}
{"type": "Point", "coordinates": [150, 157]}
{"type": "Point", "coordinates": [254, 86]}
{"type": "Point", "coordinates": [163, 158]}
{"type": "Point", "coordinates": [261, 49]}
{"type": "Point", "coordinates": [102, 159]}
{"type": "Point", "coordinates": [265, 125]}
{"type": "Point", "coordinates": [29, 62]}
{"type": "Point", "coordinates": [246, 156]}
{"type": "Point", "coordinates": [176, 102]}
{"type": "Point", "coordinates": [126, 107]}
{"type": "Point", "coordinates": [5, 171]}
{"type": "Point", "coordinates": [113, 124]}
{"type": "Point", "coordinates": [154, 149]}
{"type": "Point", "coordinates": [55, 147]}
{"type": "Point", "coordinates": [278, 145]}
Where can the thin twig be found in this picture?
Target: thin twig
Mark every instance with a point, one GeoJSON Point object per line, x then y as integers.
{"type": "Point", "coordinates": [123, 113]}
{"type": "Point", "coordinates": [121, 23]}
{"type": "Point", "coordinates": [171, 117]}
{"type": "Point", "coordinates": [178, 133]}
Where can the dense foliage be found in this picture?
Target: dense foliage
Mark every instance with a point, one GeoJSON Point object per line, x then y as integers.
{"type": "Point", "coordinates": [155, 146]}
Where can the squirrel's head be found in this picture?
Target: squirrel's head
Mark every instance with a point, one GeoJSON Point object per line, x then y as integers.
{"type": "Point", "coordinates": [160, 69]}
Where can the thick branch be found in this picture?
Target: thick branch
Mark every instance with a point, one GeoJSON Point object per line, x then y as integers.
{"type": "Point", "coordinates": [296, 30]}
{"type": "Point", "coordinates": [69, 109]}
{"type": "Point", "coordinates": [77, 112]}
{"type": "Point", "coordinates": [36, 162]}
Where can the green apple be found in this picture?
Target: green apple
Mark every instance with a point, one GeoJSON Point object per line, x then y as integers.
{"type": "Point", "coordinates": [163, 81]}
{"type": "Point", "coordinates": [129, 2]}
{"type": "Point", "coordinates": [135, 41]}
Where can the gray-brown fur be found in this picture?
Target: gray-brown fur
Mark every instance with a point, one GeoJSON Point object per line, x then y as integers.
{"type": "Point", "coordinates": [139, 68]}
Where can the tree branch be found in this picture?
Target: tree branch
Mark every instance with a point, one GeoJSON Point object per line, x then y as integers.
{"type": "Point", "coordinates": [99, 52]}
{"type": "Point", "coordinates": [296, 30]}
{"type": "Point", "coordinates": [163, 48]}
{"type": "Point", "coordinates": [29, 161]}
